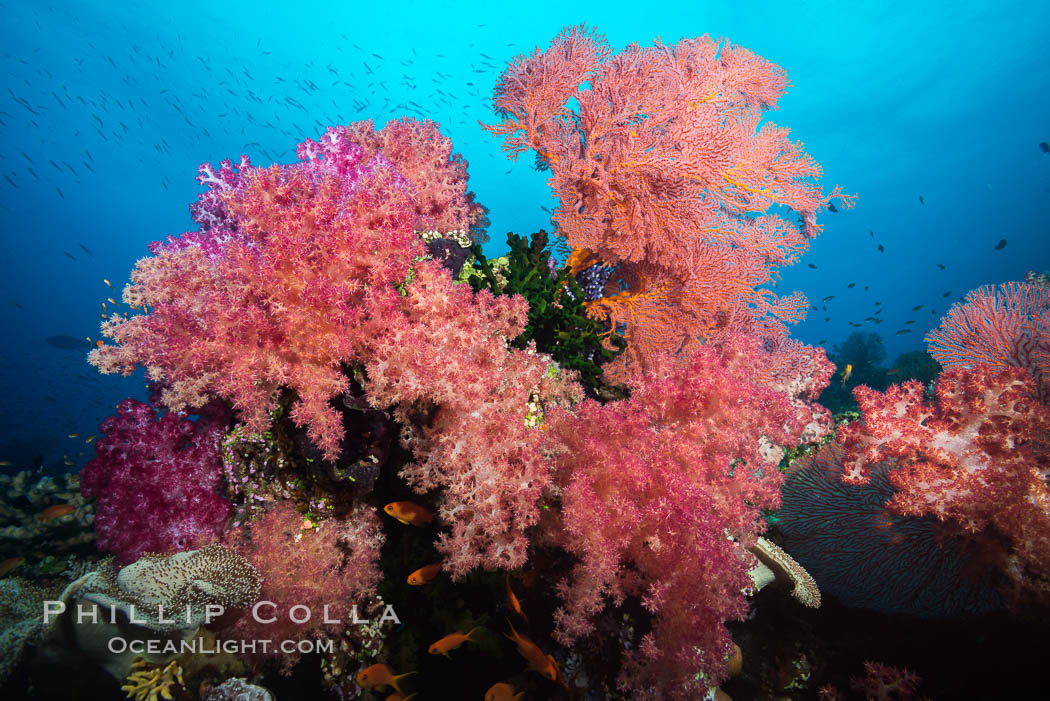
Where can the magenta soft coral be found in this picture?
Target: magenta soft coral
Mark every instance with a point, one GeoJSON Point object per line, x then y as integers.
{"type": "Point", "coordinates": [652, 489]}
{"type": "Point", "coordinates": [156, 481]}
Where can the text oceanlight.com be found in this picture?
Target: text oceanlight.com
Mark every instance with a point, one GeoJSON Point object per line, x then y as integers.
{"type": "Point", "coordinates": [204, 647]}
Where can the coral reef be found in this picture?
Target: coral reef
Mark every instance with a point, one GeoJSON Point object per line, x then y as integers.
{"type": "Point", "coordinates": [328, 567]}
{"type": "Point", "coordinates": [868, 557]}
{"type": "Point", "coordinates": [332, 338]}
{"type": "Point", "coordinates": [21, 624]}
{"type": "Point", "coordinates": [974, 456]}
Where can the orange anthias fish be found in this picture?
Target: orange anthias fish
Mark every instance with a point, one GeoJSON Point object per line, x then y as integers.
{"type": "Point", "coordinates": [502, 692]}
{"type": "Point", "coordinates": [10, 565]}
{"type": "Point", "coordinates": [544, 664]}
{"type": "Point", "coordinates": [580, 259]}
{"type": "Point", "coordinates": [378, 676]}
{"type": "Point", "coordinates": [513, 602]}
{"type": "Point", "coordinates": [409, 513]}
{"type": "Point", "coordinates": [424, 574]}
{"type": "Point", "coordinates": [53, 512]}
{"type": "Point", "coordinates": [846, 374]}
{"type": "Point", "coordinates": [451, 642]}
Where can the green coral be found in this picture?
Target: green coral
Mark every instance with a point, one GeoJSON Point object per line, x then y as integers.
{"type": "Point", "coordinates": [558, 321]}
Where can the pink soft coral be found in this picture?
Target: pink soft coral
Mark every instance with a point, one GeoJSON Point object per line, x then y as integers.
{"type": "Point", "coordinates": [652, 490]}
{"type": "Point", "coordinates": [448, 353]}
{"type": "Point", "coordinates": [294, 270]}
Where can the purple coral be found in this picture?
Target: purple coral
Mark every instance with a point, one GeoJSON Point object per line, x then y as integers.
{"type": "Point", "coordinates": [156, 480]}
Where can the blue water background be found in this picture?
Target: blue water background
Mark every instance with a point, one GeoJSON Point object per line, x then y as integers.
{"type": "Point", "coordinates": [947, 100]}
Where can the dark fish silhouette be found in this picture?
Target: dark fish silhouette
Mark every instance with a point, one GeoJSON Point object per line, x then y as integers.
{"type": "Point", "coordinates": [882, 249]}
{"type": "Point", "coordinates": [947, 294]}
{"type": "Point", "coordinates": [812, 266]}
{"type": "Point", "coordinates": [832, 208]}
{"type": "Point", "coordinates": [66, 342]}
{"type": "Point", "coordinates": [903, 331]}
{"type": "Point", "coordinates": [941, 266]}
{"type": "Point", "coordinates": [828, 298]}
{"type": "Point", "coordinates": [1044, 147]}
{"type": "Point", "coordinates": [1001, 245]}
{"type": "Point", "coordinates": [921, 201]}
{"type": "Point", "coordinates": [872, 233]}
{"type": "Point", "coordinates": [917, 307]}
{"type": "Point", "coordinates": [851, 286]}
{"type": "Point", "coordinates": [86, 250]}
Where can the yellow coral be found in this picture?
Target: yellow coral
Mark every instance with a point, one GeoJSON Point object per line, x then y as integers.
{"type": "Point", "coordinates": [148, 682]}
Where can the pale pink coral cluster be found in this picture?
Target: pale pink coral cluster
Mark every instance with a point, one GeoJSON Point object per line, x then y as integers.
{"type": "Point", "coordinates": [333, 564]}
{"type": "Point", "coordinates": [449, 353]}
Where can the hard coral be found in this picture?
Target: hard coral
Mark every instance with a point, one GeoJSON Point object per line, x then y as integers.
{"type": "Point", "coordinates": [157, 480]}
